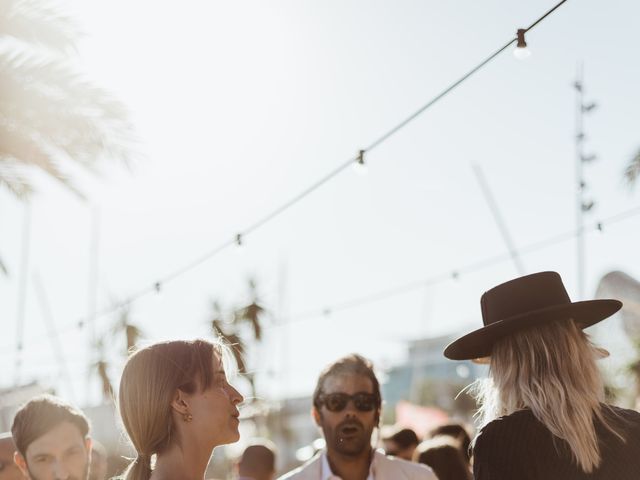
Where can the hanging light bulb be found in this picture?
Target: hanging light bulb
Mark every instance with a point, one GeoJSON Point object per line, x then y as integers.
{"type": "Point", "coordinates": [359, 166]}
{"type": "Point", "coordinates": [521, 52]}
{"type": "Point", "coordinates": [240, 247]}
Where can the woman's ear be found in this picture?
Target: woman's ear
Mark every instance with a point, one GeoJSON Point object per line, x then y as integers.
{"type": "Point", "coordinates": [179, 402]}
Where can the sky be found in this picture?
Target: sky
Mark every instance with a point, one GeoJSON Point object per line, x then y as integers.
{"type": "Point", "coordinates": [240, 106]}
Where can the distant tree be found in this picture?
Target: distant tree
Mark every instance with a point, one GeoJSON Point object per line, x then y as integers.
{"type": "Point", "coordinates": [101, 368]}
{"type": "Point", "coordinates": [122, 329]}
{"type": "Point", "coordinates": [124, 326]}
{"type": "Point", "coordinates": [51, 116]}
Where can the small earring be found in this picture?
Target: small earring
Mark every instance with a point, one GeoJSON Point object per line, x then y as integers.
{"type": "Point", "coordinates": [187, 417]}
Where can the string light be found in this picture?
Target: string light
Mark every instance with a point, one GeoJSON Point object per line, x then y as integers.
{"type": "Point", "coordinates": [522, 51]}
{"type": "Point", "coordinates": [436, 279]}
{"type": "Point", "coordinates": [359, 163]}
{"type": "Point", "coordinates": [359, 166]}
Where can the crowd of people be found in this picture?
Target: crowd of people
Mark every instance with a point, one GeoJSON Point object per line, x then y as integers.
{"type": "Point", "coordinates": [541, 409]}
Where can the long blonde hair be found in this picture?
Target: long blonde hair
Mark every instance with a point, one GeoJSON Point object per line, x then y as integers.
{"type": "Point", "coordinates": [149, 381]}
{"type": "Point", "coordinates": [551, 370]}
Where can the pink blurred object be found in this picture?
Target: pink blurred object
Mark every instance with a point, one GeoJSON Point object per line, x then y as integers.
{"type": "Point", "coordinates": [420, 419]}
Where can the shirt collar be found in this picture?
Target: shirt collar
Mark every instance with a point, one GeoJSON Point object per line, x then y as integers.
{"type": "Point", "coordinates": [327, 474]}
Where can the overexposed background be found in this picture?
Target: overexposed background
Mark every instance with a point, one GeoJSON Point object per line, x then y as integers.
{"type": "Point", "coordinates": [239, 106]}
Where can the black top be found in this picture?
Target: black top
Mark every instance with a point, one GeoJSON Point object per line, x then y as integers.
{"type": "Point", "coordinates": [519, 447]}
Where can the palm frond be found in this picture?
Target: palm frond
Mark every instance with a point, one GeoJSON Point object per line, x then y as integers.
{"type": "Point", "coordinates": [234, 342]}
{"type": "Point", "coordinates": [38, 23]}
{"type": "Point", "coordinates": [101, 367]}
{"type": "Point", "coordinates": [70, 112]}
{"type": "Point", "coordinates": [251, 314]}
{"type": "Point", "coordinates": [30, 151]}
{"type": "Point", "coordinates": [50, 115]}
{"type": "Point", "coordinates": [12, 177]}
{"type": "Point", "coordinates": [632, 172]}
{"type": "Point", "coordinates": [4, 268]}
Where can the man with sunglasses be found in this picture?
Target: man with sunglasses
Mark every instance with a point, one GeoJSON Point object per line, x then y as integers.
{"type": "Point", "coordinates": [346, 406]}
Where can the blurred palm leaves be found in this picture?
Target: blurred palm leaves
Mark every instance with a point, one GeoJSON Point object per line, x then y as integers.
{"type": "Point", "coordinates": [101, 368]}
{"type": "Point", "coordinates": [232, 329]}
{"type": "Point", "coordinates": [124, 335]}
{"type": "Point", "coordinates": [124, 327]}
{"type": "Point", "coordinates": [51, 116]}
{"type": "Point", "coordinates": [633, 168]}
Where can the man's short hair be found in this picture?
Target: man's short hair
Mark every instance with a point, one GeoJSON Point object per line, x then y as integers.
{"type": "Point", "coordinates": [456, 431]}
{"type": "Point", "coordinates": [260, 457]}
{"type": "Point", "coordinates": [352, 364]}
{"type": "Point", "coordinates": [42, 414]}
{"type": "Point", "coordinates": [404, 438]}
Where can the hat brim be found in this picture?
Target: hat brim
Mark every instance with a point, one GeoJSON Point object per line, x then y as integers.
{"type": "Point", "coordinates": [479, 343]}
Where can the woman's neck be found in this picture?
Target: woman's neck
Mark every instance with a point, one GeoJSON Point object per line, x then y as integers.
{"type": "Point", "coordinates": [187, 461]}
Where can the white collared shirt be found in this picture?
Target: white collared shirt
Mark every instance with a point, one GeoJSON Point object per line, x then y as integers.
{"type": "Point", "coordinates": [327, 474]}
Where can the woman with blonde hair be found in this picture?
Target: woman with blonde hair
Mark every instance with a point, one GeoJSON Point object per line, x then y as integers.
{"type": "Point", "coordinates": [542, 407]}
{"type": "Point", "coordinates": [177, 406]}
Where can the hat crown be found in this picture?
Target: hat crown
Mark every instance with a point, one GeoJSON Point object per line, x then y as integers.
{"type": "Point", "coordinates": [523, 295]}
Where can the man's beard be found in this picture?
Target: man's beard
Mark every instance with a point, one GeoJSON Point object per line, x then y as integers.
{"type": "Point", "coordinates": [349, 438]}
{"type": "Point", "coordinates": [85, 474]}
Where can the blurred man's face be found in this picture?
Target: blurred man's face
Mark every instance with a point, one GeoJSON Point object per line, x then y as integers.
{"type": "Point", "coordinates": [8, 469]}
{"type": "Point", "coordinates": [60, 454]}
{"type": "Point", "coordinates": [347, 430]}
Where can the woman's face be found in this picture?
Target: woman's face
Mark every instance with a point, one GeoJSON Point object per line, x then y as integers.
{"type": "Point", "coordinates": [215, 409]}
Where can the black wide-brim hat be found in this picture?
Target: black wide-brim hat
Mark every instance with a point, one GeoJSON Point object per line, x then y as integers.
{"type": "Point", "coordinates": [526, 302]}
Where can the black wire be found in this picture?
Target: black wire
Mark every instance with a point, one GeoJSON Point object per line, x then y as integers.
{"type": "Point", "coordinates": [206, 256]}
{"type": "Point", "coordinates": [470, 268]}
{"type": "Point", "coordinates": [438, 97]}
{"type": "Point", "coordinates": [441, 277]}
{"type": "Point", "coordinates": [544, 16]}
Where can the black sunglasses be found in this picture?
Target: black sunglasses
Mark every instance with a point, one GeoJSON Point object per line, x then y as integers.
{"type": "Point", "coordinates": [336, 402]}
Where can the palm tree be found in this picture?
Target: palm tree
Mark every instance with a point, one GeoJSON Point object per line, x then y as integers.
{"type": "Point", "coordinates": [132, 333]}
{"type": "Point", "coordinates": [51, 117]}
{"type": "Point", "coordinates": [101, 367]}
{"type": "Point", "coordinates": [231, 331]}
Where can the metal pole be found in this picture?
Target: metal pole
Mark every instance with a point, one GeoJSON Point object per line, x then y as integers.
{"type": "Point", "coordinates": [579, 139]}
{"type": "Point", "coordinates": [92, 290]}
{"type": "Point", "coordinates": [22, 289]}
{"type": "Point", "coordinates": [45, 307]}
{"type": "Point", "coordinates": [502, 226]}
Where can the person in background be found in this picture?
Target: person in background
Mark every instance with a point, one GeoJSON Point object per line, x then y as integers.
{"type": "Point", "coordinates": [542, 407]}
{"type": "Point", "coordinates": [258, 461]}
{"type": "Point", "coordinates": [52, 440]}
{"type": "Point", "coordinates": [177, 406]}
{"type": "Point", "coordinates": [459, 433]}
{"type": "Point", "coordinates": [8, 468]}
{"type": "Point", "coordinates": [401, 443]}
{"type": "Point", "coordinates": [347, 407]}
{"type": "Point", "coordinates": [444, 455]}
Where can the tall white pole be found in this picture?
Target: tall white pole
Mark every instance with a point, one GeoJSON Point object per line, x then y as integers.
{"type": "Point", "coordinates": [580, 184]}
{"type": "Point", "coordinates": [92, 291]}
{"type": "Point", "coordinates": [22, 290]}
